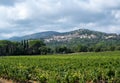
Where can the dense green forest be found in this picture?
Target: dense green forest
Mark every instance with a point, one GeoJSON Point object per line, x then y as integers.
{"type": "Point", "coordinates": [23, 48]}
{"type": "Point", "coordinates": [38, 47]}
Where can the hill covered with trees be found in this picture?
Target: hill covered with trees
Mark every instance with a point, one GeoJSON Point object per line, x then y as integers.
{"type": "Point", "coordinates": [50, 42]}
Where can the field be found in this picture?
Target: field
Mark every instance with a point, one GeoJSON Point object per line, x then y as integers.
{"type": "Point", "coordinates": [103, 67]}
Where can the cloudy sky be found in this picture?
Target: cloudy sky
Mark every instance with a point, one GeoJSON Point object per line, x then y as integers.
{"type": "Point", "coordinates": [21, 17]}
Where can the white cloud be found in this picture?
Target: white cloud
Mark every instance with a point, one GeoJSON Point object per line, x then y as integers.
{"type": "Point", "coordinates": [30, 16]}
{"type": "Point", "coordinates": [116, 14]}
{"type": "Point", "coordinates": [18, 12]}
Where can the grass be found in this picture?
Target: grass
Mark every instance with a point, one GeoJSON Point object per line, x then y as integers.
{"type": "Point", "coordinates": [68, 68]}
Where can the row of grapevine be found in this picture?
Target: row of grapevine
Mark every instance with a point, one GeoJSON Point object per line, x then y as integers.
{"type": "Point", "coordinates": [73, 68]}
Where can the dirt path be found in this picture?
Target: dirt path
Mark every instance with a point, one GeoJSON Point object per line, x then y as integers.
{"type": "Point", "coordinates": [6, 81]}
{"type": "Point", "coordinates": [10, 81]}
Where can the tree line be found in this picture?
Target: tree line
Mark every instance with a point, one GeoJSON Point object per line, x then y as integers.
{"type": "Point", "coordinates": [38, 47]}
{"type": "Point", "coordinates": [25, 47]}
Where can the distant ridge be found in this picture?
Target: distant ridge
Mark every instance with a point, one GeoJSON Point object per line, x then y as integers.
{"type": "Point", "coordinates": [40, 35]}
{"type": "Point", "coordinates": [83, 36]}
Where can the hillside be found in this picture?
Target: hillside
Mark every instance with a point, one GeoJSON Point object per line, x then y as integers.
{"type": "Point", "coordinates": [40, 35]}
{"type": "Point", "coordinates": [80, 36]}
{"type": "Point", "coordinates": [84, 37]}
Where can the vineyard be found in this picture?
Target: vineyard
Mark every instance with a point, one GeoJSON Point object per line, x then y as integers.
{"type": "Point", "coordinates": [103, 67]}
